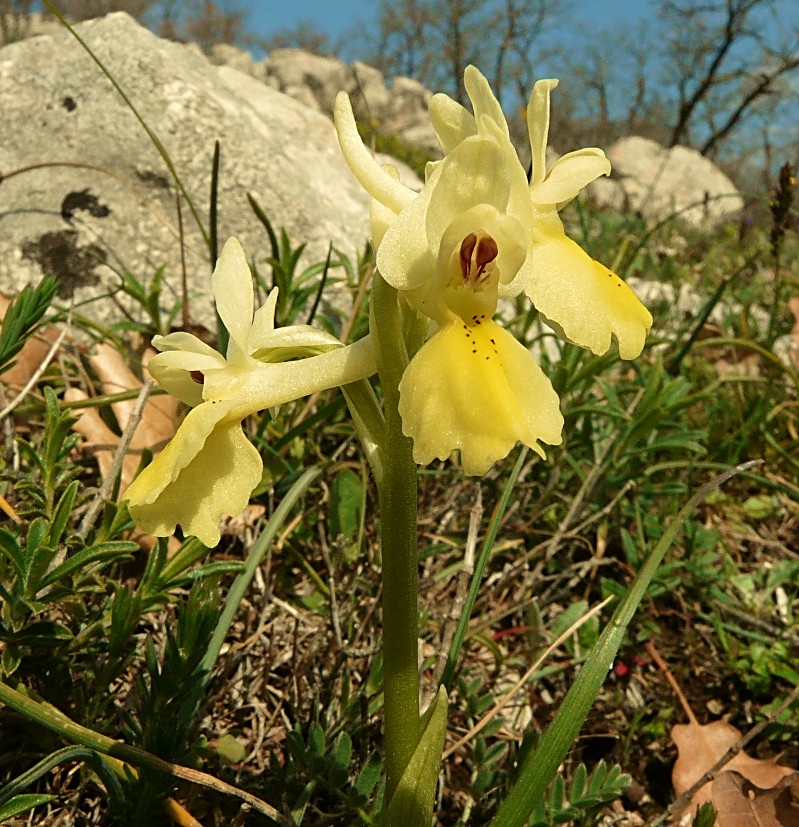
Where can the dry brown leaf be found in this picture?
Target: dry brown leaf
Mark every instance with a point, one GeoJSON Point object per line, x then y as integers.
{"type": "Point", "coordinates": [793, 305]}
{"type": "Point", "coordinates": [158, 423]}
{"type": "Point", "coordinates": [740, 803]}
{"type": "Point", "coordinates": [700, 746]}
{"type": "Point", "coordinates": [27, 361]}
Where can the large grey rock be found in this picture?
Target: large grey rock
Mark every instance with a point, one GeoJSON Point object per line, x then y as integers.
{"type": "Point", "coordinates": [225, 54]}
{"type": "Point", "coordinates": [407, 114]}
{"type": "Point", "coordinates": [306, 76]}
{"type": "Point", "coordinates": [88, 224]}
{"type": "Point", "coordinates": [658, 182]}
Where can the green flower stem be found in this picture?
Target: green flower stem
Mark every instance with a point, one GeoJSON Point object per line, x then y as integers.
{"type": "Point", "coordinates": [397, 493]}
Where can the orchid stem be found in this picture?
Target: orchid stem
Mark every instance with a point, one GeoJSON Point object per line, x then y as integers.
{"type": "Point", "coordinates": [397, 492]}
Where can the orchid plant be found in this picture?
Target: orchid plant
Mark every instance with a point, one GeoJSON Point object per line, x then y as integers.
{"type": "Point", "coordinates": [453, 378]}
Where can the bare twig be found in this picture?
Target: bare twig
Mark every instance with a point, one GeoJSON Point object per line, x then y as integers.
{"type": "Point", "coordinates": [506, 698]}
{"type": "Point", "coordinates": [463, 577]}
{"type": "Point", "coordinates": [104, 492]}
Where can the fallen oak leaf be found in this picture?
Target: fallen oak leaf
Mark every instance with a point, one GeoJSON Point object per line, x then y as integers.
{"type": "Point", "coordinates": [740, 803]}
{"type": "Point", "coordinates": [701, 746]}
{"type": "Point", "coordinates": [706, 751]}
{"type": "Point", "coordinates": [158, 422]}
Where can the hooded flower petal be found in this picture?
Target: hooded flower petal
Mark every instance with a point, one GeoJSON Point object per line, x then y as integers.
{"type": "Point", "coordinates": [263, 323]}
{"type": "Point", "coordinates": [538, 128]}
{"type": "Point", "coordinates": [452, 122]}
{"type": "Point", "coordinates": [207, 471]}
{"type": "Point", "coordinates": [233, 292]}
{"type": "Point", "coordinates": [484, 101]}
{"type": "Point", "coordinates": [182, 357]}
{"type": "Point", "coordinates": [585, 300]}
{"type": "Point", "coordinates": [477, 390]}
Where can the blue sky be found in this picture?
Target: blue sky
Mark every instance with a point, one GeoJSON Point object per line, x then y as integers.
{"type": "Point", "coordinates": [336, 17]}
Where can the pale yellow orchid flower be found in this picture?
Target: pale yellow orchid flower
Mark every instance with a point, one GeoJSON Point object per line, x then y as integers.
{"type": "Point", "coordinates": [582, 299]}
{"type": "Point", "coordinates": [452, 251]}
{"type": "Point", "coordinates": [209, 469]}
{"type": "Point", "coordinates": [479, 231]}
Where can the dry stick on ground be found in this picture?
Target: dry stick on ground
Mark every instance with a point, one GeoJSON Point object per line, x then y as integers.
{"type": "Point", "coordinates": [104, 492]}
{"type": "Point", "coordinates": [54, 719]}
{"type": "Point", "coordinates": [463, 578]}
{"type": "Point", "coordinates": [505, 699]}
{"type": "Point", "coordinates": [331, 582]}
{"type": "Point", "coordinates": [682, 801]}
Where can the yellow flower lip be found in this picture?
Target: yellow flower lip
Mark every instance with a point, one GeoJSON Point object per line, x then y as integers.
{"type": "Point", "coordinates": [483, 392]}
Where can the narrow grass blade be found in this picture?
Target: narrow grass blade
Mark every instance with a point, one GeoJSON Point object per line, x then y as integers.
{"type": "Point", "coordinates": [542, 763]}
{"type": "Point", "coordinates": [242, 582]}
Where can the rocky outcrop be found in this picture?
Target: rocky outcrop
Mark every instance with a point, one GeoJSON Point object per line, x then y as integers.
{"type": "Point", "coordinates": [314, 80]}
{"type": "Point", "coordinates": [658, 182]}
{"type": "Point", "coordinates": [103, 201]}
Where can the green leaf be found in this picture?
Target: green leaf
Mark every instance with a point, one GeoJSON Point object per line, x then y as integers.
{"type": "Point", "coordinates": [41, 633]}
{"type": "Point", "coordinates": [342, 751]}
{"type": "Point", "coordinates": [369, 775]}
{"type": "Point", "coordinates": [412, 802]}
{"type": "Point", "coordinates": [22, 803]}
{"type": "Point", "coordinates": [22, 318]}
{"type": "Point", "coordinates": [347, 501]}
{"type": "Point", "coordinates": [104, 552]}
{"type": "Point", "coordinates": [230, 749]}
{"type": "Point", "coordinates": [10, 549]}
{"type": "Point", "coordinates": [705, 816]}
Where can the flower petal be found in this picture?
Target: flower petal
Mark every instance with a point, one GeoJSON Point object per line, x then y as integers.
{"type": "Point", "coordinates": [584, 299]}
{"type": "Point", "coordinates": [484, 102]}
{"type": "Point", "coordinates": [404, 257]}
{"type": "Point", "coordinates": [476, 389]}
{"type": "Point", "coordinates": [186, 342]}
{"type": "Point", "coordinates": [569, 175]}
{"type": "Point", "coordinates": [452, 122]}
{"type": "Point", "coordinates": [373, 178]}
{"type": "Point", "coordinates": [472, 174]}
{"type": "Point", "coordinates": [380, 216]}
{"type": "Point", "coordinates": [231, 283]}
{"type": "Point", "coordinates": [207, 471]}
{"type": "Point", "coordinates": [538, 127]}
{"type": "Point", "coordinates": [172, 369]}
{"type": "Point", "coordinates": [265, 385]}
{"type": "Point", "coordinates": [263, 323]}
